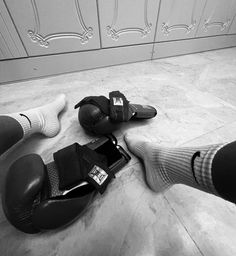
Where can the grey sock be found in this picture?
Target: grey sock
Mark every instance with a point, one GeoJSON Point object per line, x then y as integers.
{"type": "Point", "coordinates": [167, 166]}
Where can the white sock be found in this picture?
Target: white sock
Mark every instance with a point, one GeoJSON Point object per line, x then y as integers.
{"type": "Point", "coordinates": [167, 166]}
{"type": "Point", "coordinates": [43, 119]}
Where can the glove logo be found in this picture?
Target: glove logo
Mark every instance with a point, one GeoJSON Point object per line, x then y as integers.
{"type": "Point", "coordinates": [98, 174]}
{"type": "Point", "coordinates": [117, 101]}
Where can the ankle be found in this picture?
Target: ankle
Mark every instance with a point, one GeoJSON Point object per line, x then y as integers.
{"type": "Point", "coordinates": [43, 119]}
{"type": "Point", "coordinates": [155, 164]}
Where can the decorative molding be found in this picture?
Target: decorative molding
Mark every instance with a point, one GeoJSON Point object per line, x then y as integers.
{"type": "Point", "coordinates": [43, 41]}
{"type": "Point", "coordinates": [115, 33]}
{"type": "Point", "coordinates": [166, 28]}
{"type": "Point", "coordinates": [222, 25]}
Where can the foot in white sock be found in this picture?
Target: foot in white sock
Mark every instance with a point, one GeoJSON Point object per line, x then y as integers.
{"type": "Point", "coordinates": [43, 119]}
{"type": "Point", "coordinates": [156, 177]}
{"type": "Point", "coordinates": [182, 165]}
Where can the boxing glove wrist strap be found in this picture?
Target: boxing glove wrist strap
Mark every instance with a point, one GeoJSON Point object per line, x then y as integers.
{"type": "Point", "coordinates": [78, 163]}
{"type": "Point", "coordinates": [119, 107]}
{"type": "Point", "coordinates": [100, 101]}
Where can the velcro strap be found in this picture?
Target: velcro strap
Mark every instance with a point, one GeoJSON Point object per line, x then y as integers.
{"type": "Point", "coordinates": [119, 107]}
{"type": "Point", "coordinates": [100, 101]}
{"type": "Point", "coordinates": [78, 163]}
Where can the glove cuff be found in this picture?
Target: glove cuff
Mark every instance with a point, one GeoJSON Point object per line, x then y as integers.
{"type": "Point", "coordinates": [78, 163]}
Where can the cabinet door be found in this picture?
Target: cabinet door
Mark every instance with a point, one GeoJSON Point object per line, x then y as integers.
{"type": "Point", "coordinates": [178, 19]}
{"type": "Point", "coordinates": [56, 26]}
{"type": "Point", "coordinates": [10, 43]}
{"type": "Point", "coordinates": [232, 29]}
{"type": "Point", "coordinates": [217, 17]}
{"type": "Point", "coordinates": [126, 22]}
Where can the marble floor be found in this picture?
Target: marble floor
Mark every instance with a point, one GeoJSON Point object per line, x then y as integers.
{"type": "Point", "coordinates": [195, 96]}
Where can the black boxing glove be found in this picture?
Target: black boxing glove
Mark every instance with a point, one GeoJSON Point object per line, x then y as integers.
{"type": "Point", "coordinates": [41, 197]}
{"type": "Point", "coordinates": [100, 115]}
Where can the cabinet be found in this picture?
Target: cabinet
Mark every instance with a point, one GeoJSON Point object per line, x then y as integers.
{"type": "Point", "coordinates": [127, 22]}
{"type": "Point", "coordinates": [56, 26]}
{"type": "Point", "coordinates": [178, 19]}
{"type": "Point", "coordinates": [60, 36]}
{"type": "Point", "coordinates": [10, 43]}
{"type": "Point", "coordinates": [217, 17]}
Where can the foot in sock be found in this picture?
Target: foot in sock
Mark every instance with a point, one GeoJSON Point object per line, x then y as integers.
{"type": "Point", "coordinates": [167, 166]}
{"type": "Point", "coordinates": [43, 119]}
{"type": "Point", "coordinates": [156, 176]}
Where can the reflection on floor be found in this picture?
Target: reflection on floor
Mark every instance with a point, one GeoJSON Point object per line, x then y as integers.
{"type": "Point", "coordinates": [195, 98]}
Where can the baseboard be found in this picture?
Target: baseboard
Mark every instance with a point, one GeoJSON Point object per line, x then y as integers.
{"type": "Point", "coordinates": [180, 47]}
{"type": "Point", "coordinates": [35, 67]}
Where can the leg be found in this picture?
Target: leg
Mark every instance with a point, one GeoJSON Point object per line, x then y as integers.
{"type": "Point", "coordinates": [17, 126]}
{"type": "Point", "coordinates": [10, 133]}
{"type": "Point", "coordinates": [224, 172]}
{"type": "Point", "coordinates": [210, 168]}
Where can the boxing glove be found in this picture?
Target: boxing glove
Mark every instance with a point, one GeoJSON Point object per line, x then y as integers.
{"type": "Point", "coordinates": [40, 197]}
{"type": "Point", "coordinates": [100, 115]}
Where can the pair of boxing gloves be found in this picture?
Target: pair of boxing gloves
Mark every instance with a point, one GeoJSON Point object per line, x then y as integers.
{"type": "Point", "coordinates": [39, 196]}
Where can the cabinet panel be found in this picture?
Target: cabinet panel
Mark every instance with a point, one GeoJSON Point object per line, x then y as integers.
{"type": "Point", "coordinates": [232, 29]}
{"type": "Point", "coordinates": [10, 43]}
{"type": "Point", "coordinates": [126, 22]}
{"type": "Point", "coordinates": [217, 17]}
{"type": "Point", "coordinates": [178, 19]}
{"type": "Point", "coordinates": [56, 26]}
